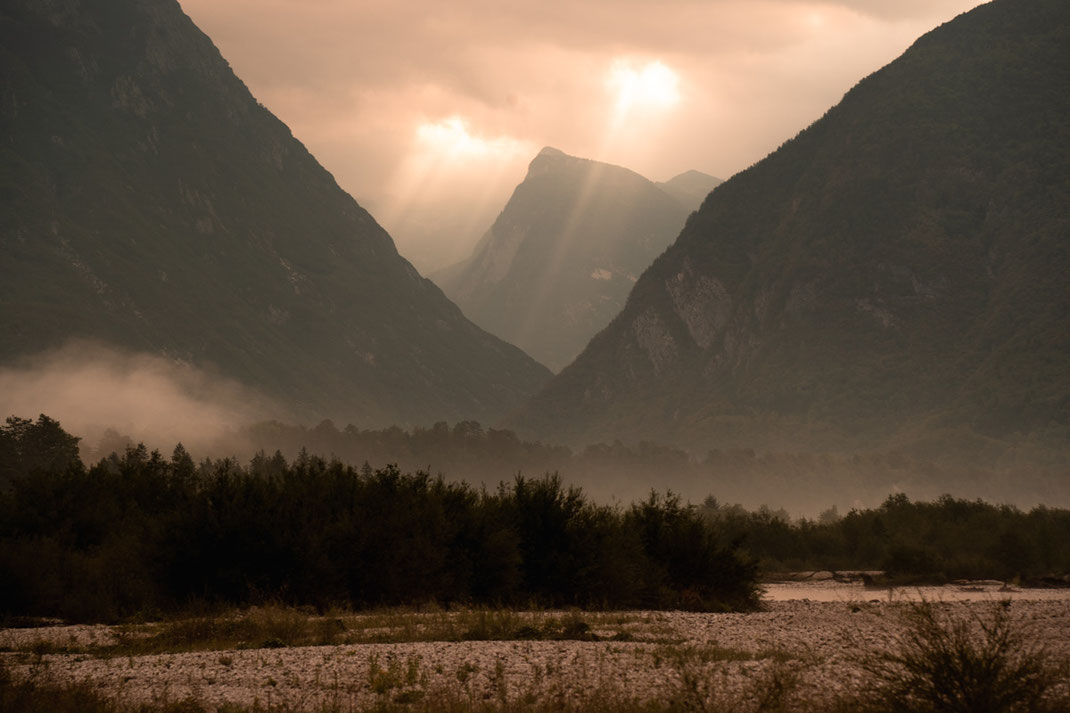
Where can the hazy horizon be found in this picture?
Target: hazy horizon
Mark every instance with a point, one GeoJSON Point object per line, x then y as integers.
{"type": "Point", "coordinates": [429, 114]}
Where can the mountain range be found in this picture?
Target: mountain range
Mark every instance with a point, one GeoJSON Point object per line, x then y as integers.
{"type": "Point", "coordinates": [149, 202]}
{"type": "Point", "coordinates": [558, 262]}
{"type": "Point", "coordinates": [893, 276]}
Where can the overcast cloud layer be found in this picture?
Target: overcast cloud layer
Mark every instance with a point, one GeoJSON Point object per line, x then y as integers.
{"type": "Point", "coordinates": [428, 112]}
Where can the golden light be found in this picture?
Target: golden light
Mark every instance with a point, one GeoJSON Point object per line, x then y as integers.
{"type": "Point", "coordinates": [450, 137]}
{"type": "Point", "coordinates": [452, 177]}
{"type": "Point", "coordinates": [651, 86]}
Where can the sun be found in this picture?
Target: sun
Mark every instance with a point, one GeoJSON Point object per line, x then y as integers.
{"type": "Point", "coordinates": [652, 86]}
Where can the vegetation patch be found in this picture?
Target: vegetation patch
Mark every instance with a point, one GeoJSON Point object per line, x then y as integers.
{"type": "Point", "coordinates": [276, 626]}
{"type": "Point", "coordinates": [322, 534]}
{"type": "Point", "coordinates": [943, 658]}
{"type": "Point", "coordinates": [983, 663]}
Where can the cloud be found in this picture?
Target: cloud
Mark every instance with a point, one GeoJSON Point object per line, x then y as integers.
{"type": "Point", "coordinates": [90, 388]}
{"type": "Point", "coordinates": [356, 81]}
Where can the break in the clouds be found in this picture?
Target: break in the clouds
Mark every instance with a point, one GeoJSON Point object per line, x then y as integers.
{"type": "Point", "coordinates": [428, 112]}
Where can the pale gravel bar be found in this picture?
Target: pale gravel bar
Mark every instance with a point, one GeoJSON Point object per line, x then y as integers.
{"type": "Point", "coordinates": [820, 639]}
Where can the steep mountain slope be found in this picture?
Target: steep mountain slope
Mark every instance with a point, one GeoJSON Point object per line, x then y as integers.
{"type": "Point", "coordinates": [896, 273]}
{"type": "Point", "coordinates": [148, 201]}
{"type": "Point", "coordinates": [559, 260]}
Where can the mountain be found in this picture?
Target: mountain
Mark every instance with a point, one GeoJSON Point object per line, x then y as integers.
{"type": "Point", "coordinates": [895, 275]}
{"type": "Point", "coordinates": [690, 187]}
{"type": "Point", "coordinates": [560, 259]}
{"type": "Point", "coordinates": [148, 201]}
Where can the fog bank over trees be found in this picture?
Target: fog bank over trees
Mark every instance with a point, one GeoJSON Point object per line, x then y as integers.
{"type": "Point", "coordinates": [312, 531]}
{"type": "Point", "coordinates": [113, 400]}
{"type": "Point", "coordinates": [99, 392]}
{"type": "Point", "coordinates": [802, 483]}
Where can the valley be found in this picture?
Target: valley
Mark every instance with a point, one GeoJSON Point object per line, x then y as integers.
{"type": "Point", "coordinates": [796, 441]}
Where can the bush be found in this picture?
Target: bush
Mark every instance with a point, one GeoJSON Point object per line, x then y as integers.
{"type": "Point", "coordinates": [942, 663]}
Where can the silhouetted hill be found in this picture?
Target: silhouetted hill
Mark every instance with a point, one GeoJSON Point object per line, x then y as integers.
{"type": "Point", "coordinates": [563, 254]}
{"type": "Point", "coordinates": [895, 274]}
{"type": "Point", "coordinates": [150, 202]}
{"type": "Point", "coordinates": [690, 187]}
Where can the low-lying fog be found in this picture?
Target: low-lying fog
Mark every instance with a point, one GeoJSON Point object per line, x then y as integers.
{"type": "Point", "coordinates": [92, 389]}
{"type": "Point", "coordinates": [112, 399]}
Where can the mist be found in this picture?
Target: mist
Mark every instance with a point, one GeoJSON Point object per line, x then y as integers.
{"type": "Point", "coordinates": [105, 395]}
{"type": "Point", "coordinates": [112, 398]}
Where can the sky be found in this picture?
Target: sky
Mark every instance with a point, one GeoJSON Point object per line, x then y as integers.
{"type": "Point", "coordinates": [428, 112]}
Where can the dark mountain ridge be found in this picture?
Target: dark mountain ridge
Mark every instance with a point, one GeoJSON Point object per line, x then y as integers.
{"type": "Point", "coordinates": [560, 259]}
{"type": "Point", "coordinates": [894, 275]}
{"type": "Point", "coordinates": [150, 202]}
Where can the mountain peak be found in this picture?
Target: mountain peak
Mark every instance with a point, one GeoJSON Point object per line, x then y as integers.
{"type": "Point", "coordinates": [551, 160]}
{"type": "Point", "coordinates": [690, 187]}
{"type": "Point", "coordinates": [192, 223]}
{"type": "Point", "coordinates": [691, 175]}
{"type": "Point", "coordinates": [893, 275]}
{"type": "Point", "coordinates": [559, 261]}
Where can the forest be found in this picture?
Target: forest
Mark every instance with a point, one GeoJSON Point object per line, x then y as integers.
{"type": "Point", "coordinates": [910, 541]}
{"type": "Point", "coordinates": [141, 534]}
{"type": "Point", "coordinates": [805, 482]}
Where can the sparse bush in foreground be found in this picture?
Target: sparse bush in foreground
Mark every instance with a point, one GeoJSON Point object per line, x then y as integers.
{"type": "Point", "coordinates": [972, 664]}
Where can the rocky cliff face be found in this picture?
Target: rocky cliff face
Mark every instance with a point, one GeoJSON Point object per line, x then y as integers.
{"type": "Point", "coordinates": [150, 202]}
{"type": "Point", "coordinates": [559, 261]}
{"type": "Point", "coordinates": [894, 274]}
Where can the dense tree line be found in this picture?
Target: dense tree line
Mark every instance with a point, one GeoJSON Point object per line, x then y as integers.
{"type": "Point", "coordinates": [140, 533]}
{"type": "Point", "coordinates": [949, 538]}
{"type": "Point", "coordinates": [805, 482]}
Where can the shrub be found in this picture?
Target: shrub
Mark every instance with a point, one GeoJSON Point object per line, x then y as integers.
{"type": "Point", "coordinates": [942, 663]}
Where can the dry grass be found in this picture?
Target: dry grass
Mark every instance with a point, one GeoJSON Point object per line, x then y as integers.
{"type": "Point", "coordinates": [276, 626]}
{"type": "Point", "coordinates": [942, 659]}
{"type": "Point", "coordinates": [399, 686]}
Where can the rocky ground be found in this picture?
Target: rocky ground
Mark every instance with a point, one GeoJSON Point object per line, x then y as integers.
{"type": "Point", "coordinates": [813, 645]}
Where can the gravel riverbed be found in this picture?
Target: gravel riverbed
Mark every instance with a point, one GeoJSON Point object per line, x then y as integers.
{"type": "Point", "coordinates": [816, 642]}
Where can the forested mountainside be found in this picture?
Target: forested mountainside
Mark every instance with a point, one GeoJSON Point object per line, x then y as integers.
{"type": "Point", "coordinates": [895, 274]}
{"type": "Point", "coordinates": [149, 202]}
